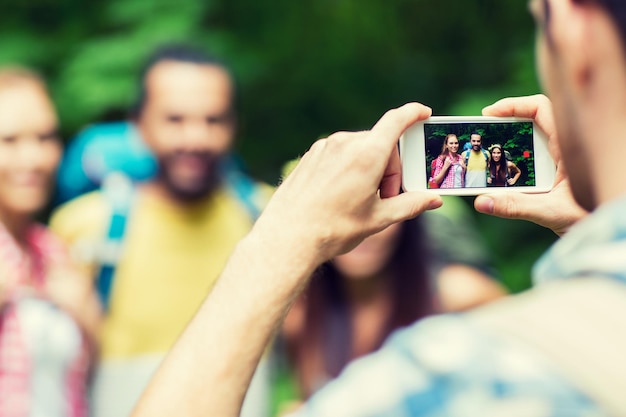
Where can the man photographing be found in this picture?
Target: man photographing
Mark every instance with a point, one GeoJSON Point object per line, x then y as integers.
{"type": "Point", "coordinates": [556, 350]}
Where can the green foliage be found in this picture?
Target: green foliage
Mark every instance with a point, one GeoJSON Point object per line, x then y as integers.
{"type": "Point", "coordinates": [305, 69]}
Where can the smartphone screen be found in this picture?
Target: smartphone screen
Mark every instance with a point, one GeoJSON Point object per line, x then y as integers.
{"type": "Point", "coordinates": [481, 148]}
{"type": "Point", "coordinates": [465, 155]}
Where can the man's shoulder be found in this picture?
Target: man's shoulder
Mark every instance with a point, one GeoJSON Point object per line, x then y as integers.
{"type": "Point", "coordinates": [84, 212]}
{"type": "Point", "coordinates": [251, 193]}
{"type": "Point", "coordinates": [264, 192]}
{"type": "Point", "coordinates": [446, 357]}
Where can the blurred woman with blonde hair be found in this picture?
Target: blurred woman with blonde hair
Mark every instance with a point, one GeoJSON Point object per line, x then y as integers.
{"type": "Point", "coordinates": [48, 312]}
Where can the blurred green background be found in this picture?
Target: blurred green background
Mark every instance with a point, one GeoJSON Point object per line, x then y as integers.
{"type": "Point", "coordinates": [304, 68]}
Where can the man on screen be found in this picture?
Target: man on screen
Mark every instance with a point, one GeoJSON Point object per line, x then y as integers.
{"type": "Point", "coordinates": [476, 161]}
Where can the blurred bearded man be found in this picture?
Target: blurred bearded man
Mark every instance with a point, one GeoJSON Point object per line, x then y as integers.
{"type": "Point", "coordinates": [156, 249]}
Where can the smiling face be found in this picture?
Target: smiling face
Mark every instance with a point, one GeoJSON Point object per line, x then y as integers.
{"type": "Point", "coordinates": [30, 149]}
{"type": "Point", "coordinates": [475, 141]}
{"type": "Point", "coordinates": [452, 143]}
{"type": "Point", "coordinates": [496, 154]}
{"type": "Point", "coordinates": [187, 121]}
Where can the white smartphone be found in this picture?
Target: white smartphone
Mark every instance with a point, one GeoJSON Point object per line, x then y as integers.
{"type": "Point", "coordinates": [465, 155]}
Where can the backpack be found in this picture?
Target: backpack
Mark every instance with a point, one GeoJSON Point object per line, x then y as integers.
{"type": "Point", "coordinates": [431, 180]}
{"type": "Point", "coordinates": [98, 150]}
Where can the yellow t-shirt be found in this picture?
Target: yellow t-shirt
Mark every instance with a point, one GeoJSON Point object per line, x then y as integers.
{"type": "Point", "coordinates": [170, 259]}
{"type": "Point", "coordinates": [477, 161]}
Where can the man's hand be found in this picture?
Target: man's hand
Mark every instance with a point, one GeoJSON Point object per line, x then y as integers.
{"type": "Point", "coordinates": [556, 209]}
{"type": "Point", "coordinates": [345, 188]}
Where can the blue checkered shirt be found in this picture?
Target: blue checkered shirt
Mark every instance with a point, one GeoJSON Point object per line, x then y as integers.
{"type": "Point", "coordinates": [449, 366]}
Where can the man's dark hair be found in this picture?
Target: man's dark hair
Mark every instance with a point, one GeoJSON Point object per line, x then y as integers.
{"type": "Point", "coordinates": [614, 8]}
{"type": "Point", "coordinates": [178, 53]}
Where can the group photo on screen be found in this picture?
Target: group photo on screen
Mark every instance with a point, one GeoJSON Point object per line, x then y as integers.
{"type": "Point", "coordinates": [470, 155]}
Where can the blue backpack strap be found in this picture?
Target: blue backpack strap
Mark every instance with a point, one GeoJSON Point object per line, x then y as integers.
{"type": "Point", "coordinates": [244, 187]}
{"type": "Point", "coordinates": [466, 155]}
{"type": "Point", "coordinates": [119, 192]}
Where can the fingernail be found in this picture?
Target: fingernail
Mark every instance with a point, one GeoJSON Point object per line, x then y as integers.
{"type": "Point", "coordinates": [435, 204]}
{"type": "Point", "coordinates": [484, 204]}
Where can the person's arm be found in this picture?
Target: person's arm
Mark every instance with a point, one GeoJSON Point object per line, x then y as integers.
{"type": "Point", "coordinates": [516, 172]}
{"type": "Point", "coordinates": [344, 189]}
{"type": "Point", "coordinates": [74, 293]}
{"type": "Point", "coordinates": [462, 163]}
{"type": "Point", "coordinates": [556, 209]}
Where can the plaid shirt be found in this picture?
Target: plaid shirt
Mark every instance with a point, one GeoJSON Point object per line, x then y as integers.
{"type": "Point", "coordinates": [448, 180]}
{"type": "Point", "coordinates": [448, 366]}
{"type": "Point", "coordinates": [22, 346]}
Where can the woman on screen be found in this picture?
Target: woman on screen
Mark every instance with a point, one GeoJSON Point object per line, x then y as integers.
{"type": "Point", "coordinates": [502, 172]}
{"type": "Point", "coordinates": [450, 166]}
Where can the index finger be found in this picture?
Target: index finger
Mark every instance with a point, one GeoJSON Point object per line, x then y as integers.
{"type": "Point", "coordinates": [385, 134]}
{"type": "Point", "coordinates": [392, 177]}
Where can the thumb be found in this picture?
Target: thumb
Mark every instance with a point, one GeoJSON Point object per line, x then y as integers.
{"type": "Point", "coordinates": [555, 210]}
{"type": "Point", "coordinates": [507, 205]}
{"type": "Point", "coordinates": [408, 205]}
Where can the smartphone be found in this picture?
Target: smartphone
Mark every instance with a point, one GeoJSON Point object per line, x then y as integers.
{"type": "Point", "coordinates": [465, 155]}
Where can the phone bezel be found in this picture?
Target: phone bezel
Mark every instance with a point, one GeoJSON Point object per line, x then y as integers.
{"type": "Point", "coordinates": [413, 157]}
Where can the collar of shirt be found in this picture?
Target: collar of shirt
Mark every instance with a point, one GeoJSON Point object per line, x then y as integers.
{"type": "Point", "coordinates": [596, 246]}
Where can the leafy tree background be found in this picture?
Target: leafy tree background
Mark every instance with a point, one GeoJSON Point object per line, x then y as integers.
{"type": "Point", "coordinates": [304, 68]}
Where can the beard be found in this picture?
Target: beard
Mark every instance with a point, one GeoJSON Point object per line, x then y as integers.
{"type": "Point", "coordinates": [190, 176]}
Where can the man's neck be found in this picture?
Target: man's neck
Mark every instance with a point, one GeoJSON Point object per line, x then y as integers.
{"type": "Point", "coordinates": [159, 191]}
{"type": "Point", "coordinates": [608, 177]}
